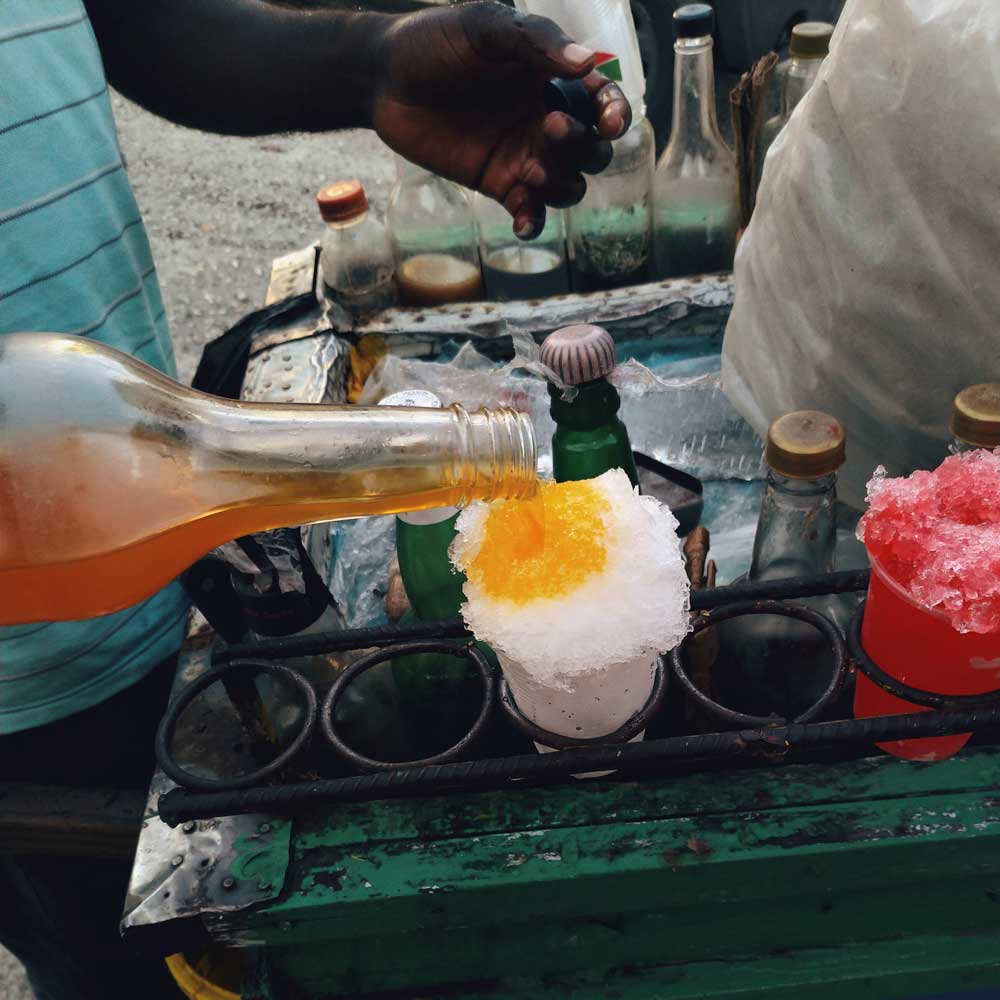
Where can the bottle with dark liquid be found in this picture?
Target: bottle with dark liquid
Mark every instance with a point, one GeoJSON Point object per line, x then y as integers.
{"type": "Point", "coordinates": [117, 478]}
{"type": "Point", "coordinates": [356, 255]}
{"type": "Point", "coordinates": [434, 239]}
{"type": "Point", "coordinates": [697, 191]}
{"type": "Point", "coordinates": [610, 242]}
{"type": "Point", "coordinates": [513, 269]}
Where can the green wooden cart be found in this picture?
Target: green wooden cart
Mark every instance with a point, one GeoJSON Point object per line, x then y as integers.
{"type": "Point", "coordinates": [867, 877]}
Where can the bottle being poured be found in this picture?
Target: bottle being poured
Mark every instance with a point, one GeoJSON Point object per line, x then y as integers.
{"type": "Point", "coordinates": [115, 478]}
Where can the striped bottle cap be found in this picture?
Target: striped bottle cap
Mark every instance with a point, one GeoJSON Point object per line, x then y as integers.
{"type": "Point", "coordinates": [579, 354]}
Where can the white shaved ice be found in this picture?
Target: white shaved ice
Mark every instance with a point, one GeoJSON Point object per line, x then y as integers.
{"type": "Point", "coordinates": [638, 605]}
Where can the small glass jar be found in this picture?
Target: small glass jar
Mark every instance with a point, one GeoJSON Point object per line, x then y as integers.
{"type": "Point", "coordinates": [434, 239]}
{"type": "Point", "coordinates": [610, 230]}
{"type": "Point", "coordinates": [514, 270]}
{"type": "Point", "coordinates": [356, 256]}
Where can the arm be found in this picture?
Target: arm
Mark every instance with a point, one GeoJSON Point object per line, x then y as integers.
{"type": "Point", "coordinates": [242, 67]}
{"type": "Point", "coordinates": [458, 89]}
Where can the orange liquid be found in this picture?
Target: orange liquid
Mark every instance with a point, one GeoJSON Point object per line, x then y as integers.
{"type": "Point", "coordinates": [544, 547]}
{"type": "Point", "coordinates": [95, 522]}
{"type": "Point", "coordinates": [433, 279]}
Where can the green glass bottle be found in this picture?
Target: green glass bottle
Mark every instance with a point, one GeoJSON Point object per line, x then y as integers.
{"type": "Point", "coordinates": [590, 438]}
{"type": "Point", "coordinates": [441, 695]}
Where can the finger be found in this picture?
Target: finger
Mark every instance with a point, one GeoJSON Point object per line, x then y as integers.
{"type": "Point", "coordinates": [614, 113]}
{"type": "Point", "coordinates": [572, 142]}
{"type": "Point", "coordinates": [499, 34]}
{"type": "Point", "coordinates": [528, 210]}
{"type": "Point", "coordinates": [564, 190]}
{"type": "Point", "coordinates": [559, 185]}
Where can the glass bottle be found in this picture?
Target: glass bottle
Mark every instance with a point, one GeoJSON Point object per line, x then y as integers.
{"type": "Point", "coordinates": [434, 239]}
{"type": "Point", "coordinates": [513, 269]}
{"type": "Point", "coordinates": [975, 418]}
{"type": "Point", "coordinates": [696, 195]}
{"type": "Point", "coordinates": [609, 232]}
{"type": "Point", "coordinates": [590, 438]}
{"type": "Point", "coordinates": [607, 28]}
{"type": "Point", "coordinates": [117, 478]}
{"type": "Point", "coordinates": [810, 45]}
{"type": "Point", "coordinates": [768, 664]}
{"type": "Point", "coordinates": [356, 255]}
{"type": "Point", "coordinates": [440, 695]}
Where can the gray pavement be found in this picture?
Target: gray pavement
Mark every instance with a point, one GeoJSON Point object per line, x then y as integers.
{"type": "Point", "coordinates": [218, 211]}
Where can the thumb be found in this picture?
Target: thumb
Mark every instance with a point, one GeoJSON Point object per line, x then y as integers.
{"type": "Point", "coordinates": [499, 34]}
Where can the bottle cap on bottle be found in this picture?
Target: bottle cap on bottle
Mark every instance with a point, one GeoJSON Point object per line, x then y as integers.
{"type": "Point", "coordinates": [975, 418]}
{"type": "Point", "coordinates": [806, 444]}
{"type": "Point", "coordinates": [694, 20]}
{"type": "Point", "coordinates": [811, 40]}
{"type": "Point", "coordinates": [579, 354]}
{"type": "Point", "coordinates": [341, 201]}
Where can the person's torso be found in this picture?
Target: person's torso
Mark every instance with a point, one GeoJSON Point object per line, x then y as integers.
{"type": "Point", "coordinates": [74, 258]}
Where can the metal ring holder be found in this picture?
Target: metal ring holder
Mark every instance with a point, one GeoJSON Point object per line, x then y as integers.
{"type": "Point", "coordinates": [797, 611]}
{"type": "Point", "coordinates": [165, 731]}
{"type": "Point", "coordinates": [455, 752]}
{"type": "Point", "coordinates": [917, 696]}
{"type": "Point", "coordinates": [623, 734]}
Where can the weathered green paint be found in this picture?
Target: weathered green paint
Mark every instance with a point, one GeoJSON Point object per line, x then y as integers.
{"type": "Point", "coordinates": [264, 859]}
{"type": "Point", "coordinates": [663, 887]}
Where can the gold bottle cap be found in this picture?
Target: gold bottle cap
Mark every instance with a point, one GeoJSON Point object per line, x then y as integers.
{"type": "Point", "coordinates": [806, 444]}
{"type": "Point", "coordinates": [811, 40]}
{"type": "Point", "coordinates": [975, 418]}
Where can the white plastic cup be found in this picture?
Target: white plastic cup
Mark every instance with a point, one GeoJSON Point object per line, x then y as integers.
{"type": "Point", "coordinates": [599, 703]}
{"type": "Point", "coordinates": [605, 27]}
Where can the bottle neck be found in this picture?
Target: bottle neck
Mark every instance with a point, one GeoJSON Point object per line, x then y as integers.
{"type": "Point", "coordinates": [797, 528]}
{"type": "Point", "coordinates": [333, 461]}
{"type": "Point", "coordinates": [595, 404]}
{"type": "Point", "coordinates": [800, 76]}
{"type": "Point", "coordinates": [694, 121]}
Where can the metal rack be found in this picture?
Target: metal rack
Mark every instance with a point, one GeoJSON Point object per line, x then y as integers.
{"type": "Point", "coordinates": [457, 769]}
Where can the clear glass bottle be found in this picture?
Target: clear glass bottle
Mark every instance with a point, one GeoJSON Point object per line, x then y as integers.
{"type": "Point", "coordinates": [356, 255]}
{"type": "Point", "coordinates": [975, 418]}
{"type": "Point", "coordinates": [434, 239]}
{"type": "Point", "coordinates": [590, 438]}
{"type": "Point", "coordinates": [609, 238]}
{"type": "Point", "coordinates": [104, 502]}
{"type": "Point", "coordinates": [810, 45]}
{"type": "Point", "coordinates": [696, 195]}
{"type": "Point", "coordinates": [513, 269]}
{"type": "Point", "coordinates": [768, 664]}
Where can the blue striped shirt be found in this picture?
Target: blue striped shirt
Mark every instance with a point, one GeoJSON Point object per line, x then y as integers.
{"type": "Point", "coordinates": [74, 258]}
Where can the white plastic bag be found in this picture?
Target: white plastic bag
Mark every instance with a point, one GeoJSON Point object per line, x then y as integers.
{"type": "Point", "coordinates": [868, 283]}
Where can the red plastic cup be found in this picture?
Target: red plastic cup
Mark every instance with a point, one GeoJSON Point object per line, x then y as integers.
{"type": "Point", "coordinates": [920, 648]}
